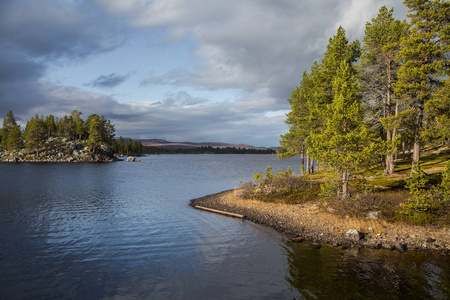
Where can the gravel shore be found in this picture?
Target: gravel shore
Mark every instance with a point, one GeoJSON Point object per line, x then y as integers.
{"type": "Point", "coordinates": [306, 222]}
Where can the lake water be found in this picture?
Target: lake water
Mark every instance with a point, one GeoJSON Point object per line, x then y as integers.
{"type": "Point", "coordinates": [125, 231]}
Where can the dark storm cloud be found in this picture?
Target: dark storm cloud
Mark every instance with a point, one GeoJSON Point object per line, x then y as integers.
{"type": "Point", "coordinates": [34, 34]}
{"type": "Point", "coordinates": [109, 81]}
{"type": "Point", "coordinates": [259, 48]}
{"type": "Point", "coordinates": [56, 29]}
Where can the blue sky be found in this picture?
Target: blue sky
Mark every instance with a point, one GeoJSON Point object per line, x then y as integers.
{"type": "Point", "coordinates": [181, 70]}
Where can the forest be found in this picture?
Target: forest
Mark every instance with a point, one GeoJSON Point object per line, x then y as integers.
{"type": "Point", "coordinates": [205, 150]}
{"type": "Point", "coordinates": [364, 103]}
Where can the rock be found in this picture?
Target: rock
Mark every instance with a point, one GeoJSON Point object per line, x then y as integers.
{"type": "Point", "coordinates": [132, 158]}
{"type": "Point", "coordinates": [354, 235]}
{"type": "Point", "coordinates": [373, 215]}
{"type": "Point", "coordinates": [401, 247]}
{"type": "Point", "coordinates": [315, 246]}
{"type": "Point", "coordinates": [107, 149]}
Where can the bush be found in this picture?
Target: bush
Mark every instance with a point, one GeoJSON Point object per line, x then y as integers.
{"type": "Point", "coordinates": [282, 187]}
{"type": "Point", "coordinates": [426, 206]}
{"type": "Point", "coordinates": [360, 204]}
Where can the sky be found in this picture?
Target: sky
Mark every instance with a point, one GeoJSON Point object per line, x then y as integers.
{"type": "Point", "coordinates": [180, 70]}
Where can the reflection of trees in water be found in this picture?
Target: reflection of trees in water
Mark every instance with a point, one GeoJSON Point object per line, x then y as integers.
{"type": "Point", "coordinates": [331, 273]}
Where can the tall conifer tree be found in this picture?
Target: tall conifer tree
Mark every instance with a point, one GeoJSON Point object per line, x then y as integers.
{"type": "Point", "coordinates": [344, 143]}
{"type": "Point", "coordinates": [381, 46]}
{"type": "Point", "coordinates": [425, 59]}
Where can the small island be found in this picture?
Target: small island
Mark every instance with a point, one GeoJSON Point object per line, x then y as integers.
{"type": "Point", "coordinates": [67, 139]}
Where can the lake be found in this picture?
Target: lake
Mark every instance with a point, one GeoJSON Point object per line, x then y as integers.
{"type": "Point", "coordinates": [126, 231]}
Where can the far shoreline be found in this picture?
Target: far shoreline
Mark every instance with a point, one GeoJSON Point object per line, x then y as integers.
{"type": "Point", "coordinates": [306, 222]}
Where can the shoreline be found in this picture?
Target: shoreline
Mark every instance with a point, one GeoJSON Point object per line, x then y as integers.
{"type": "Point", "coordinates": [307, 222]}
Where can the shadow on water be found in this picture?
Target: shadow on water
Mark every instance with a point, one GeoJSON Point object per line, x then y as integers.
{"type": "Point", "coordinates": [331, 273]}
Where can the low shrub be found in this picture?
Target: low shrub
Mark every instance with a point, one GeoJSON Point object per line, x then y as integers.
{"type": "Point", "coordinates": [360, 204]}
{"type": "Point", "coordinates": [282, 187]}
{"type": "Point", "coordinates": [426, 206]}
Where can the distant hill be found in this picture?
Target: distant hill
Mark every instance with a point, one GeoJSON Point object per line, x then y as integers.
{"type": "Point", "coordinates": [187, 145]}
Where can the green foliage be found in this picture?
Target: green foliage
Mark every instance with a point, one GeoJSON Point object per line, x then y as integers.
{"type": "Point", "coordinates": [281, 187]}
{"type": "Point", "coordinates": [421, 197]}
{"type": "Point", "coordinates": [11, 133]}
{"type": "Point", "coordinates": [309, 100]}
{"type": "Point", "coordinates": [95, 133]}
{"type": "Point", "coordinates": [329, 189]}
{"type": "Point", "coordinates": [426, 206]}
{"type": "Point", "coordinates": [72, 127]}
{"type": "Point", "coordinates": [424, 54]}
{"type": "Point", "coordinates": [127, 146]}
{"type": "Point", "coordinates": [35, 133]}
{"type": "Point", "coordinates": [345, 143]}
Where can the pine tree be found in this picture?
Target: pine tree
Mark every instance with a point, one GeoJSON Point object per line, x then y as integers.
{"type": "Point", "coordinates": [35, 133]}
{"type": "Point", "coordinates": [438, 110]}
{"type": "Point", "coordinates": [338, 50]}
{"type": "Point", "coordinates": [50, 125]}
{"type": "Point", "coordinates": [381, 46]}
{"type": "Point", "coordinates": [293, 142]}
{"type": "Point", "coordinates": [424, 53]}
{"type": "Point", "coordinates": [344, 143]}
{"type": "Point", "coordinates": [309, 100]}
{"type": "Point", "coordinates": [11, 133]}
{"type": "Point", "coordinates": [95, 132]}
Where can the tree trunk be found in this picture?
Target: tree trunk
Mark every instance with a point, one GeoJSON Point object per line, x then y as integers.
{"type": "Point", "coordinates": [344, 184]}
{"type": "Point", "coordinates": [308, 169]}
{"type": "Point", "coordinates": [389, 135]}
{"type": "Point", "coordinates": [389, 157]}
{"type": "Point", "coordinates": [403, 150]}
{"type": "Point", "coordinates": [302, 156]}
{"type": "Point", "coordinates": [418, 127]}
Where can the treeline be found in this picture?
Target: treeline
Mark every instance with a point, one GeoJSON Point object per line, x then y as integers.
{"type": "Point", "coordinates": [205, 150]}
{"type": "Point", "coordinates": [127, 147]}
{"type": "Point", "coordinates": [362, 102]}
{"type": "Point", "coordinates": [95, 129]}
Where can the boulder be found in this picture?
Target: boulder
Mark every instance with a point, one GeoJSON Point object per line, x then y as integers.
{"type": "Point", "coordinates": [354, 235]}
{"type": "Point", "coordinates": [132, 158]}
{"type": "Point", "coordinates": [373, 215]}
{"type": "Point", "coordinates": [315, 246]}
{"type": "Point", "coordinates": [107, 149]}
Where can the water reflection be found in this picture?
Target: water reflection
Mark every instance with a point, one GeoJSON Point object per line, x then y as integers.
{"type": "Point", "coordinates": [331, 273]}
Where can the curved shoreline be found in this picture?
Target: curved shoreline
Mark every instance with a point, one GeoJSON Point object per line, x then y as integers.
{"type": "Point", "coordinates": [306, 222]}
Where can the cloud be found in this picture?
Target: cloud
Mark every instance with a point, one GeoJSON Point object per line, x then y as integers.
{"type": "Point", "coordinates": [256, 48]}
{"type": "Point", "coordinates": [35, 34]}
{"type": "Point", "coordinates": [108, 81]}
{"type": "Point", "coordinates": [251, 45]}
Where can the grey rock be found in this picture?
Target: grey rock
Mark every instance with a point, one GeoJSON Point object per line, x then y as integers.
{"type": "Point", "coordinates": [354, 235]}
{"type": "Point", "coordinates": [132, 158]}
{"type": "Point", "coordinates": [373, 215]}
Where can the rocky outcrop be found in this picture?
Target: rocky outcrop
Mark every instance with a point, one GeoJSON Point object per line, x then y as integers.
{"type": "Point", "coordinates": [57, 149]}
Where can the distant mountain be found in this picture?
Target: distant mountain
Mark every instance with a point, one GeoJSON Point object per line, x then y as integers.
{"type": "Point", "coordinates": [186, 145]}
